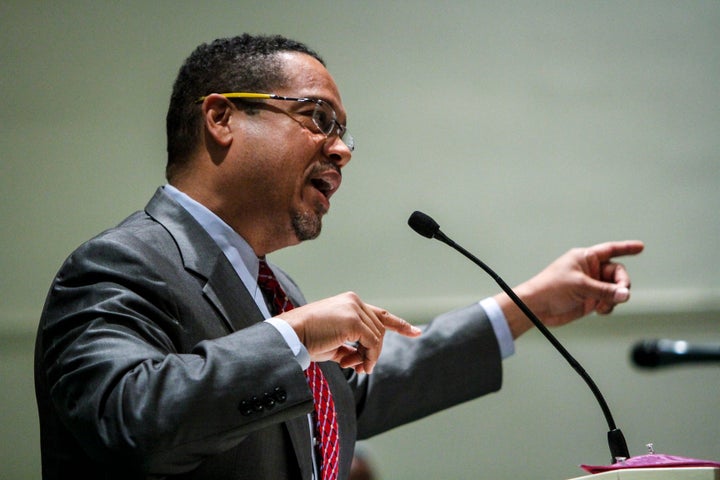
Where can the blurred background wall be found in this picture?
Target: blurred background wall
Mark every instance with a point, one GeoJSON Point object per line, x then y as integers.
{"type": "Point", "coordinates": [524, 127]}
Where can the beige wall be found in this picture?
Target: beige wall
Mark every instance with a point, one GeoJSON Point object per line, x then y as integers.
{"type": "Point", "coordinates": [524, 127]}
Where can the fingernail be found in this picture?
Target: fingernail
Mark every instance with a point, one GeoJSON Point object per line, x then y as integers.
{"type": "Point", "coordinates": [622, 294]}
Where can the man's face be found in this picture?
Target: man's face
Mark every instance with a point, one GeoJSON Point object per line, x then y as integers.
{"type": "Point", "coordinates": [293, 167]}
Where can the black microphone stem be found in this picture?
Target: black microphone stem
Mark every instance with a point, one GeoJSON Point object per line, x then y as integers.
{"type": "Point", "coordinates": [616, 440]}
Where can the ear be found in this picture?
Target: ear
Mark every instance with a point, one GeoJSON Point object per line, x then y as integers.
{"type": "Point", "coordinates": [217, 112]}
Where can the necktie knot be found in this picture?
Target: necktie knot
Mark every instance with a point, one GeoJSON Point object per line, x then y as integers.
{"type": "Point", "coordinates": [272, 291]}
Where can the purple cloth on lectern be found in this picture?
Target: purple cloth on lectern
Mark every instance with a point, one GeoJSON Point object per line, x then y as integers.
{"type": "Point", "coordinates": [652, 460]}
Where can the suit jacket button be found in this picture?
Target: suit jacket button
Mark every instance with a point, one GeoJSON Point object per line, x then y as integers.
{"type": "Point", "coordinates": [268, 401]}
{"type": "Point", "coordinates": [280, 395]}
{"type": "Point", "coordinates": [245, 408]}
{"type": "Point", "coordinates": [257, 405]}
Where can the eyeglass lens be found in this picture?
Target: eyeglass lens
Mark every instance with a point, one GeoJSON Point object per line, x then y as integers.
{"type": "Point", "coordinates": [326, 120]}
{"type": "Point", "coordinates": [324, 117]}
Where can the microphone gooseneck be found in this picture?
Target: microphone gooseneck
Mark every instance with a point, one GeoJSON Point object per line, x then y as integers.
{"type": "Point", "coordinates": [427, 227]}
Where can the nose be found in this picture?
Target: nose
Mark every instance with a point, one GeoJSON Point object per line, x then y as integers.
{"type": "Point", "coordinates": [337, 151]}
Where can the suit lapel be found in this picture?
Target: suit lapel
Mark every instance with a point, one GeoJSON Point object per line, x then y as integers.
{"type": "Point", "coordinates": [228, 294]}
{"type": "Point", "coordinates": [201, 255]}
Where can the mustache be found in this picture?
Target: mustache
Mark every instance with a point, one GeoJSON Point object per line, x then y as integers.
{"type": "Point", "coordinates": [324, 166]}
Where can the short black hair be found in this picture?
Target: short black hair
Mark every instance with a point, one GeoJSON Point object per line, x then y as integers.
{"type": "Point", "coordinates": [242, 63]}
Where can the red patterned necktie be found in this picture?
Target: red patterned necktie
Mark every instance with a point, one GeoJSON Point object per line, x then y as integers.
{"type": "Point", "coordinates": [324, 415]}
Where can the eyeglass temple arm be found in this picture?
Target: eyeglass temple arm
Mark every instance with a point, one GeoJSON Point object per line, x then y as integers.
{"type": "Point", "coordinates": [241, 95]}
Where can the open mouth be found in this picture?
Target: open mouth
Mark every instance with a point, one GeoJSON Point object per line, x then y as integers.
{"type": "Point", "coordinates": [326, 182]}
{"type": "Point", "coordinates": [325, 187]}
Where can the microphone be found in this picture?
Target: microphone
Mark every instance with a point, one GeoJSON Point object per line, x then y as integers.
{"type": "Point", "coordinates": [427, 227]}
{"type": "Point", "coordinates": [661, 353]}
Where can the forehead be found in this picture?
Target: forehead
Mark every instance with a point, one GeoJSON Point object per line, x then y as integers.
{"type": "Point", "coordinates": [307, 77]}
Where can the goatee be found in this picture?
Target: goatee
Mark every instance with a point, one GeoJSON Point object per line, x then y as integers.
{"type": "Point", "coordinates": [307, 225]}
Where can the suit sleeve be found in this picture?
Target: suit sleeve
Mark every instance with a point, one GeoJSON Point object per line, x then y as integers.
{"type": "Point", "coordinates": [456, 359]}
{"type": "Point", "coordinates": [137, 377]}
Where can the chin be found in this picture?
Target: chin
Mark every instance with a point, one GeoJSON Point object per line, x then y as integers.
{"type": "Point", "coordinates": [307, 225]}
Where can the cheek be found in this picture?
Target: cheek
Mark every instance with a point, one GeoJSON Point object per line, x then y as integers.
{"type": "Point", "coordinates": [286, 181]}
{"type": "Point", "coordinates": [283, 162]}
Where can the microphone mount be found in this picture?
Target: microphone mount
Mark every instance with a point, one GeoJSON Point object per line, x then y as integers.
{"type": "Point", "coordinates": [427, 227]}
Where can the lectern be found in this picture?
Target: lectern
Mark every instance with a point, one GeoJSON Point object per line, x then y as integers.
{"type": "Point", "coordinates": [685, 473]}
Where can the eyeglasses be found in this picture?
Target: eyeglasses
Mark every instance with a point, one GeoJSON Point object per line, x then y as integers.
{"type": "Point", "coordinates": [323, 116]}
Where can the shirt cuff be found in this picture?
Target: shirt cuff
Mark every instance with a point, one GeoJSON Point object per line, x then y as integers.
{"type": "Point", "coordinates": [301, 354]}
{"type": "Point", "coordinates": [500, 326]}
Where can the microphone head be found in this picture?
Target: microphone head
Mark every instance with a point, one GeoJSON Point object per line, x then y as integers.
{"type": "Point", "coordinates": [646, 354]}
{"type": "Point", "coordinates": [423, 224]}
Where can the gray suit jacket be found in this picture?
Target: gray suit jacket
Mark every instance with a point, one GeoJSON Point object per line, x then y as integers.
{"type": "Point", "coordinates": [152, 361]}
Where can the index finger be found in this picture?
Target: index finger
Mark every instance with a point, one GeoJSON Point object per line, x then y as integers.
{"type": "Point", "coordinates": [395, 323]}
{"type": "Point", "coordinates": [606, 251]}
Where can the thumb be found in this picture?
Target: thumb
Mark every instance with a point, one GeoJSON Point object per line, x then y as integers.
{"type": "Point", "coordinates": [621, 295]}
{"type": "Point", "coordinates": [609, 293]}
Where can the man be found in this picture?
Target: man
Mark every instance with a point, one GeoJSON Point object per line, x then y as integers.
{"type": "Point", "coordinates": [167, 347]}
